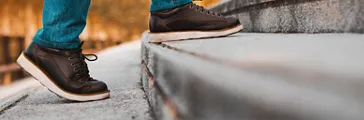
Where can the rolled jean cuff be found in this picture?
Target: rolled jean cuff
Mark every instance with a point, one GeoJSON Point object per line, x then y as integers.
{"type": "Point", "coordinates": [164, 6]}
{"type": "Point", "coordinates": [56, 45]}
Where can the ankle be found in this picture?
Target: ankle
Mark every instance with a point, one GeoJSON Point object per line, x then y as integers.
{"type": "Point", "coordinates": [158, 7]}
{"type": "Point", "coordinates": [56, 45]}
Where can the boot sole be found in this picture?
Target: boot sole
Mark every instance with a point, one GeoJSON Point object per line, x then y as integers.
{"type": "Point", "coordinates": [39, 75]}
{"type": "Point", "coordinates": [174, 36]}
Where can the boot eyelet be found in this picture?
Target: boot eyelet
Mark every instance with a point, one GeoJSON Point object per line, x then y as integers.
{"type": "Point", "coordinates": [72, 64]}
{"type": "Point", "coordinates": [69, 58]}
{"type": "Point", "coordinates": [74, 69]}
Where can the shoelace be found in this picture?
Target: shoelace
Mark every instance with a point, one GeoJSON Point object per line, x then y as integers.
{"type": "Point", "coordinates": [202, 9]}
{"type": "Point", "coordinates": [79, 64]}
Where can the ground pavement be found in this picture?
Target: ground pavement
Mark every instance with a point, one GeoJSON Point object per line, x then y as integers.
{"type": "Point", "coordinates": [118, 67]}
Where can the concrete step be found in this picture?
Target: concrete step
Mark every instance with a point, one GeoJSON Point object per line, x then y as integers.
{"type": "Point", "coordinates": [256, 76]}
{"type": "Point", "coordinates": [302, 16]}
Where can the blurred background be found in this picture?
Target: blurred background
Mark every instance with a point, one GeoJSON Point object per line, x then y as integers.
{"type": "Point", "coordinates": [110, 23]}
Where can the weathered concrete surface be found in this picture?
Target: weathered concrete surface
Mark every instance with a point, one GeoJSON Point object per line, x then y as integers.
{"type": "Point", "coordinates": [302, 16]}
{"type": "Point", "coordinates": [17, 88]}
{"type": "Point", "coordinates": [258, 76]}
{"type": "Point", "coordinates": [119, 67]}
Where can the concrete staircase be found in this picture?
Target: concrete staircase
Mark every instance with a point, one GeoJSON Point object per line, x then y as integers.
{"type": "Point", "coordinates": [302, 16]}
{"type": "Point", "coordinates": [258, 75]}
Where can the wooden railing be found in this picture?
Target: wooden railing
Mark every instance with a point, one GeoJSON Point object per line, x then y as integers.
{"type": "Point", "coordinates": [7, 72]}
{"type": "Point", "coordinates": [10, 49]}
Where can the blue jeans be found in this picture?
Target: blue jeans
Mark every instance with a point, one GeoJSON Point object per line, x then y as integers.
{"type": "Point", "coordinates": [64, 20]}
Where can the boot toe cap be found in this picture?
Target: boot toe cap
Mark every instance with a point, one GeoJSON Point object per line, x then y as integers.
{"type": "Point", "coordinates": [96, 87]}
{"type": "Point", "coordinates": [233, 21]}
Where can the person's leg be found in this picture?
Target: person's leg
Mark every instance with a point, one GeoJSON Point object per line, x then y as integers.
{"type": "Point", "coordinates": [158, 5]}
{"type": "Point", "coordinates": [180, 19]}
{"type": "Point", "coordinates": [63, 22]}
{"type": "Point", "coordinates": [55, 56]}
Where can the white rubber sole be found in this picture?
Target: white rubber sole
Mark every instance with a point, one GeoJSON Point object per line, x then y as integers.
{"type": "Point", "coordinates": [174, 36]}
{"type": "Point", "coordinates": [45, 81]}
